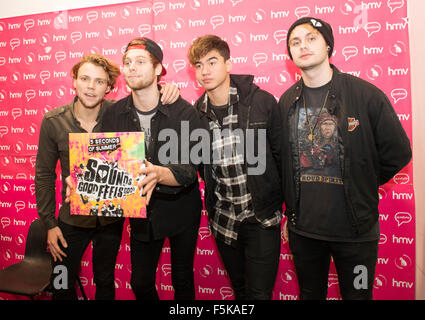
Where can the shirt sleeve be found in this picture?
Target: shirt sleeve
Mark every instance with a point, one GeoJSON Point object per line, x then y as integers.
{"type": "Point", "coordinates": [45, 176]}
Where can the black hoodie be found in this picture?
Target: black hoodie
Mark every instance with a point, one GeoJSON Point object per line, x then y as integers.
{"type": "Point", "coordinates": [257, 109]}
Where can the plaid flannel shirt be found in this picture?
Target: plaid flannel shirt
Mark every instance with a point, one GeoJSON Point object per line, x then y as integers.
{"type": "Point", "coordinates": [234, 202]}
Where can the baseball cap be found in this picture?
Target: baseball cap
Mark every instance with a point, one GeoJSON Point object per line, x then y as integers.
{"type": "Point", "coordinates": [150, 46]}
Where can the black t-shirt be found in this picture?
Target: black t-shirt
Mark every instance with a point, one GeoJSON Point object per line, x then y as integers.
{"type": "Point", "coordinates": [322, 211]}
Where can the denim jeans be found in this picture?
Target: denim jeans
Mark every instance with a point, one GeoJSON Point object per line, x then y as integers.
{"type": "Point", "coordinates": [312, 260]}
{"type": "Point", "coordinates": [144, 261]}
{"type": "Point", "coordinates": [253, 264]}
{"type": "Point", "coordinates": [106, 242]}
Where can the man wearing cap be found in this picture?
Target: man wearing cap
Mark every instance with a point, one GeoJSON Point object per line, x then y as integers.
{"type": "Point", "coordinates": [174, 202]}
{"type": "Point", "coordinates": [342, 140]}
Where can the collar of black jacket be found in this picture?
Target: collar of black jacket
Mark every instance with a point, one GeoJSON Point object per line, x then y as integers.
{"type": "Point", "coordinates": [129, 106]}
{"type": "Point", "coordinates": [242, 88]}
{"type": "Point", "coordinates": [333, 90]}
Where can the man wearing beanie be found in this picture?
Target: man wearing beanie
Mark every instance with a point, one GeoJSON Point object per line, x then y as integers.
{"type": "Point", "coordinates": [332, 206]}
{"type": "Point", "coordinates": [174, 200]}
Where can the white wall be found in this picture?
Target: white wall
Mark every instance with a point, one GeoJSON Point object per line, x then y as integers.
{"type": "Point", "coordinates": [24, 7]}
{"type": "Point", "coordinates": [417, 48]}
{"type": "Point", "coordinates": [416, 8]}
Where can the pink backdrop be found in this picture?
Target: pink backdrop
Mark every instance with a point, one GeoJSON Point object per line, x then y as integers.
{"type": "Point", "coordinates": [38, 51]}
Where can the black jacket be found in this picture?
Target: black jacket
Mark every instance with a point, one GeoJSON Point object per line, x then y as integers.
{"type": "Point", "coordinates": [373, 148]}
{"type": "Point", "coordinates": [171, 209]}
{"type": "Point", "coordinates": [257, 109]}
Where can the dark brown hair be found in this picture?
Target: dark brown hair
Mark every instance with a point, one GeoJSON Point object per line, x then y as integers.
{"type": "Point", "coordinates": [202, 45]}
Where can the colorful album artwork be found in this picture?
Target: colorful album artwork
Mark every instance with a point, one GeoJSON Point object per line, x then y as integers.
{"type": "Point", "coordinates": [105, 170]}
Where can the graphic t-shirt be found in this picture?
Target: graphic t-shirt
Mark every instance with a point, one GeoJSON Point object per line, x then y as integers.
{"type": "Point", "coordinates": [322, 214]}
{"type": "Point", "coordinates": [322, 203]}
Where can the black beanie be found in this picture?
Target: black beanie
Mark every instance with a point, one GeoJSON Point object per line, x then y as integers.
{"type": "Point", "coordinates": [323, 27]}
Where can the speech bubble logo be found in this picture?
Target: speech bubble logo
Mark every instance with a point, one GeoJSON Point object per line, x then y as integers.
{"type": "Point", "coordinates": [302, 12]}
{"type": "Point", "coordinates": [349, 52]}
{"type": "Point", "coordinates": [3, 131]}
{"type": "Point", "coordinates": [226, 292]}
{"type": "Point", "coordinates": [2, 61]}
{"type": "Point", "coordinates": [216, 21]}
{"type": "Point", "coordinates": [3, 95]}
{"type": "Point", "coordinates": [158, 7]}
{"type": "Point", "coordinates": [398, 94]}
{"type": "Point", "coordinates": [395, 4]}
{"type": "Point", "coordinates": [333, 279]}
{"type": "Point", "coordinates": [32, 189]}
{"type": "Point", "coordinates": [204, 232]}
{"type": "Point", "coordinates": [60, 56]}
{"type": "Point", "coordinates": [19, 205]}
{"type": "Point", "coordinates": [402, 217]}
{"type": "Point", "coordinates": [144, 29]}
{"type": "Point", "coordinates": [32, 160]}
{"type": "Point", "coordinates": [28, 24]}
{"type": "Point", "coordinates": [30, 94]}
{"type": "Point", "coordinates": [179, 65]}
{"type": "Point", "coordinates": [401, 178]}
{"type": "Point", "coordinates": [44, 75]}
{"type": "Point", "coordinates": [5, 222]}
{"type": "Point", "coordinates": [166, 269]}
{"type": "Point", "coordinates": [14, 43]}
{"type": "Point", "coordinates": [372, 27]}
{"type": "Point", "coordinates": [92, 16]}
{"type": "Point", "coordinates": [280, 35]}
{"type": "Point", "coordinates": [259, 58]}
{"type": "Point", "coordinates": [16, 113]}
{"type": "Point", "coordinates": [76, 36]}
{"type": "Point", "coordinates": [382, 238]}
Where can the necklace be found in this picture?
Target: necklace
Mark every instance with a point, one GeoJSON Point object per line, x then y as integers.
{"type": "Point", "coordinates": [311, 135]}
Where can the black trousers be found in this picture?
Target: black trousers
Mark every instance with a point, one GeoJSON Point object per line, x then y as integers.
{"type": "Point", "coordinates": [352, 262]}
{"type": "Point", "coordinates": [252, 265]}
{"type": "Point", "coordinates": [106, 242]}
{"type": "Point", "coordinates": [144, 261]}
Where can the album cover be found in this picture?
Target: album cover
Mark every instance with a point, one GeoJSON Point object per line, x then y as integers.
{"type": "Point", "coordinates": [105, 170]}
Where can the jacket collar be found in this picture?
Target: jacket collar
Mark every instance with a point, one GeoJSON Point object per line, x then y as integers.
{"type": "Point", "coordinates": [333, 90]}
{"type": "Point", "coordinates": [129, 106]}
{"type": "Point", "coordinates": [71, 108]}
{"type": "Point", "coordinates": [232, 100]}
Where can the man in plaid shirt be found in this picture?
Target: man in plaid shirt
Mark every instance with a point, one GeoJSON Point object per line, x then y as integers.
{"type": "Point", "coordinates": [243, 191]}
